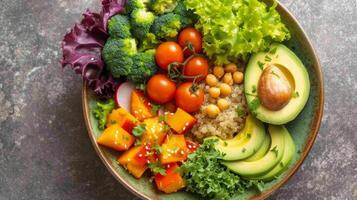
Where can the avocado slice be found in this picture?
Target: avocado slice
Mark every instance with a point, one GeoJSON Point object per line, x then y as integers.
{"type": "Point", "coordinates": [245, 143]}
{"type": "Point", "coordinates": [287, 157]}
{"type": "Point", "coordinates": [266, 163]}
{"type": "Point", "coordinates": [297, 76]}
{"type": "Point", "coordinates": [262, 150]}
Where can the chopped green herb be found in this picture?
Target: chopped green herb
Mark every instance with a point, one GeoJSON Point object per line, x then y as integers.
{"type": "Point", "coordinates": [158, 149]}
{"type": "Point", "coordinates": [254, 104]}
{"type": "Point", "coordinates": [273, 50]}
{"type": "Point", "coordinates": [137, 143]}
{"type": "Point", "coordinates": [155, 108]}
{"type": "Point", "coordinates": [254, 89]}
{"type": "Point", "coordinates": [162, 118]}
{"type": "Point", "coordinates": [267, 58]}
{"type": "Point", "coordinates": [240, 111]}
{"type": "Point", "coordinates": [275, 150]}
{"type": "Point", "coordinates": [157, 168]}
{"type": "Point", "coordinates": [249, 135]}
{"type": "Point", "coordinates": [281, 164]}
{"type": "Point", "coordinates": [139, 130]}
{"type": "Point", "coordinates": [243, 150]}
{"type": "Point", "coordinates": [296, 94]}
{"type": "Point", "coordinates": [261, 65]}
{"type": "Point", "coordinates": [225, 143]}
{"type": "Point", "coordinates": [275, 74]}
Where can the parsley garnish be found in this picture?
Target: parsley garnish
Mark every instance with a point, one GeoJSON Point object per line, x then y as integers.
{"type": "Point", "coordinates": [249, 135]}
{"type": "Point", "coordinates": [275, 74]}
{"type": "Point", "coordinates": [139, 130]}
{"type": "Point", "coordinates": [261, 65]}
{"type": "Point", "coordinates": [254, 105]}
{"type": "Point", "coordinates": [267, 58]}
{"type": "Point", "coordinates": [254, 88]}
{"type": "Point", "coordinates": [275, 150]}
{"type": "Point", "coordinates": [158, 149]}
{"type": "Point", "coordinates": [155, 108]}
{"type": "Point", "coordinates": [296, 94]}
{"type": "Point", "coordinates": [162, 118]}
{"type": "Point", "coordinates": [243, 150]}
{"type": "Point", "coordinates": [273, 50]}
{"type": "Point", "coordinates": [240, 111]}
{"type": "Point", "coordinates": [225, 143]}
{"type": "Point", "coordinates": [137, 143]}
{"type": "Point", "coordinates": [157, 168]}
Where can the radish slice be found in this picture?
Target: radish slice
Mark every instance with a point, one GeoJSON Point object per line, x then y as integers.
{"type": "Point", "coordinates": [123, 95]}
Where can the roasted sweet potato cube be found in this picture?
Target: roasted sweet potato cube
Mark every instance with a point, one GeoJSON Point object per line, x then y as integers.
{"type": "Point", "coordinates": [116, 138]}
{"type": "Point", "coordinates": [123, 118]}
{"type": "Point", "coordinates": [140, 106]}
{"type": "Point", "coordinates": [155, 131]}
{"type": "Point", "coordinates": [174, 149]}
{"type": "Point", "coordinates": [171, 182]}
{"type": "Point", "coordinates": [181, 121]}
{"type": "Point", "coordinates": [134, 160]}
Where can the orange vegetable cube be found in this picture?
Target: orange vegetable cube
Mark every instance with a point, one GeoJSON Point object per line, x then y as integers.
{"type": "Point", "coordinates": [134, 160]}
{"type": "Point", "coordinates": [140, 106]}
{"type": "Point", "coordinates": [155, 131]}
{"type": "Point", "coordinates": [174, 149]}
{"type": "Point", "coordinates": [116, 138]}
{"type": "Point", "coordinates": [123, 118]}
{"type": "Point", "coordinates": [181, 121]}
{"type": "Point", "coordinates": [171, 182]}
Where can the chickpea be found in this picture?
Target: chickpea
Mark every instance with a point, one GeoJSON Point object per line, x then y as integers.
{"type": "Point", "coordinates": [225, 89]}
{"type": "Point", "coordinates": [214, 92]}
{"type": "Point", "coordinates": [218, 71]}
{"type": "Point", "coordinates": [227, 78]}
{"type": "Point", "coordinates": [231, 67]}
{"type": "Point", "coordinates": [211, 80]}
{"type": "Point", "coordinates": [238, 77]}
{"type": "Point", "coordinates": [223, 104]}
{"type": "Point", "coordinates": [212, 111]}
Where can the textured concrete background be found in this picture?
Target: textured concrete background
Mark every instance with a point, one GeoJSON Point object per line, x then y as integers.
{"type": "Point", "coordinates": [44, 149]}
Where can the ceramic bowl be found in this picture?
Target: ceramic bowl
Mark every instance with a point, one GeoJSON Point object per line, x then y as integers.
{"type": "Point", "coordinates": [303, 129]}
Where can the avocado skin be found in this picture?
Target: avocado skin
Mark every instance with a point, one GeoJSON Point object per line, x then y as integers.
{"type": "Point", "coordinates": [285, 58]}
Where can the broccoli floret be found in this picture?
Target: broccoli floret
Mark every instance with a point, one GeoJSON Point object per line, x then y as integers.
{"type": "Point", "coordinates": [135, 4]}
{"type": "Point", "coordinates": [187, 17]}
{"type": "Point", "coordinates": [163, 6]}
{"type": "Point", "coordinates": [141, 21]}
{"type": "Point", "coordinates": [119, 26]}
{"type": "Point", "coordinates": [144, 66]}
{"type": "Point", "coordinates": [149, 42]}
{"type": "Point", "coordinates": [117, 55]}
{"type": "Point", "coordinates": [166, 26]}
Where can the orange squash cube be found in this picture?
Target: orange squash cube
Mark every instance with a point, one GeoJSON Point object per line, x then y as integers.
{"type": "Point", "coordinates": [116, 138]}
{"type": "Point", "coordinates": [174, 149]}
{"type": "Point", "coordinates": [123, 118]}
{"type": "Point", "coordinates": [140, 106]}
{"type": "Point", "coordinates": [134, 160]}
{"type": "Point", "coordinates": [155, 131]}
{"type": "Point", "coordinates": [171, 182]}
{"type": "Point", "coordinates": [181, 121]}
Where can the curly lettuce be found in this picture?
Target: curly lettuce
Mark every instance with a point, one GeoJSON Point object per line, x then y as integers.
{"type": "Point", "coordinates": [101, 112]}
{"type": "Point", "coordinates": [233, 29]}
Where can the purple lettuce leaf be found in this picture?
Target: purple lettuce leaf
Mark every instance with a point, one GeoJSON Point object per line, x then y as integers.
{"type": "Point", "coordinates": [82, 46]}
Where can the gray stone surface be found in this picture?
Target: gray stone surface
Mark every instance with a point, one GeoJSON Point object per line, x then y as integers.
{"type": "Point", "coordinates": [44, 149]}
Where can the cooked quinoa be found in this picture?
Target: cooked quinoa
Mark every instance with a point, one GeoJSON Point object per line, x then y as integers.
{"type": "Point", "coordinates": [227, 123]}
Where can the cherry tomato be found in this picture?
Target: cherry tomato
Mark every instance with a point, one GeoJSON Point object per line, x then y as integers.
{"type": "Point", "coordinates": [189, 97]}
{"type": "Point", "coordinates": [167, 53]}
{"type": "Point", "coordinates": [192, 36]}
{"type": "Point", "coordinates": [160, 89]}
{"type": "Point", "coordinates": [195, 67]}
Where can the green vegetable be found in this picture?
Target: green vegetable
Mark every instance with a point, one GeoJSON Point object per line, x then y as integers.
{"type": "Point", "coordinates": [101, 112]}
{"type": "Point", "coordinates": [166, 26]}
{"type": "Point", "coordinates": [135, 4]}
{"type": "Point", "coordinates": [187, 17]}
{"type": "Point", "coordinates": [157, 168]}
{"type": "Point", "coordinates": [144, 66]}
{"type": "Point", "coordinates": [234, 29]}
{"type": "Point", "coordinates": [149, 42]}
{"type": "Point", "coordinates": [240, 111]}
{"type": "Point", "coordinates": [117, 55]}
{"type": "Point", "coordinates": [163, 6]}
{"type": "Point", "coordinates": [138, 130]}
{"type": "Point", "coordinates": [119, 26]}
{"type": "Point", "coordinates": [206, 176]}
{"type": "Point", "coordinates": [141, 21]}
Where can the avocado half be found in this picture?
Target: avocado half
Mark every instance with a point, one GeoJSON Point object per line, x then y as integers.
{"type": "Point", "coordinates": [293, 69]}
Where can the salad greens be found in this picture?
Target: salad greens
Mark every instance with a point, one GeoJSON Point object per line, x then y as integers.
{"type": "Point", "coordinates": [234, 29]}
{"type": "Point", "coordinates": [206, 176]}
{"type": "Point", "coordinates": [101, 112]}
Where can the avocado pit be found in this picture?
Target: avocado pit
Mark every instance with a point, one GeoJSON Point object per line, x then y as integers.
{"type": "Point", "coordinates": [274, 89]}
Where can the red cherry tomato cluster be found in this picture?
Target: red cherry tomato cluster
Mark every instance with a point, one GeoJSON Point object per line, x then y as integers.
{"type": "Point", "coordinates": [183, 64]}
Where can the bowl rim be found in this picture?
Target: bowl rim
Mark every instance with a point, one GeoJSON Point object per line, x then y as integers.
{"type": "Point", "coordinates": [316, 122]}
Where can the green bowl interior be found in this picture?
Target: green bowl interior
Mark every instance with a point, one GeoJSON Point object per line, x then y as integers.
{"type": "Point", "coordinates": [300, 128]}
